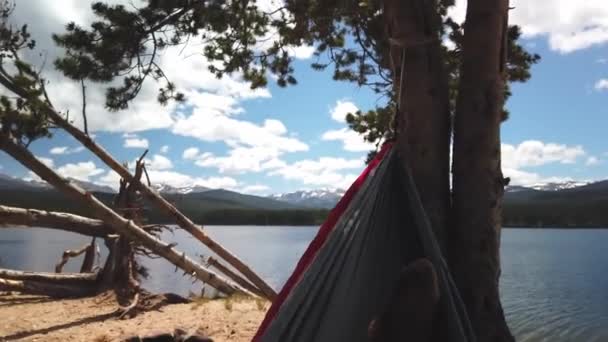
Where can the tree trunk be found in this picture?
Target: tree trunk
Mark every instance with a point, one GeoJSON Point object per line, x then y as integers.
{"type": "Point", "coordinates": [57, 278]}
{"type": "Point", "coordinates": [19, 217]}
{"type": "Point", "coordinates": [234, 276]}
{"type": "Point", "coordinates": [478, 180]}
{"type": "Point", "coordinates": [46, 289]}
{"type": "Point", "coordinates": [420, 82]}
{"type": "Point", "coordinates": [119, 224]}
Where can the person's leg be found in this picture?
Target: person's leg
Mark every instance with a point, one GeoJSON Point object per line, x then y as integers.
{"type": "Point", "coordinates": [411, 312]}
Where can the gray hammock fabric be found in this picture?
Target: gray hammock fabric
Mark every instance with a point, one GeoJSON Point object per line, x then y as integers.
{"type": "Point", "coordinates": [349, 281]}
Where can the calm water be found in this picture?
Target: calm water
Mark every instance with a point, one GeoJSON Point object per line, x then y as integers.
{"type": "Point", "coordinates": [554, 282]}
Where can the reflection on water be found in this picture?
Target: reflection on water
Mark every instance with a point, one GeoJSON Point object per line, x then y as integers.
{"type": "Point", "coordinates": [554, 282]}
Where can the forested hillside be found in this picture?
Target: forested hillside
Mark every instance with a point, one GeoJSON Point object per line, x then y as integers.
{"type": "Point", "coordinates": [584, 206]}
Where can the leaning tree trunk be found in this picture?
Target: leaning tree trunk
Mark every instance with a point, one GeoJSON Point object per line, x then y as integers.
{"type": "Point", "coordinates": [163, 205]}
{"type": "Point", "coordinates": [119, 224]}
{"type": "Point", "coordinates": [420, 83]}
{"type": "Point", "coordinates": [19, 218]}
{"type": "Point", "coordinates": [478, 179]}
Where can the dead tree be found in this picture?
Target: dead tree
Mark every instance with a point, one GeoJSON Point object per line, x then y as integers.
{"type": "Point", "coordinates": [121, 259]}
{"type": "Point", "coordinates": [119, 224]}
{"type": "Point", "coordinates": [154, 197]}
{"type": "Point", "coordinates": [59, 285]}
{"type": "Point", "coordinates": [89, 257]}
{"type": "Point", "coordinates": [44, 108]}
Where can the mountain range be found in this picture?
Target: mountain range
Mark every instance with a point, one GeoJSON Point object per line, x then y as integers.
{"type": "Point", "coordinates": [327, 198]}
{"type": "Point", "coordinates": [552, 204]}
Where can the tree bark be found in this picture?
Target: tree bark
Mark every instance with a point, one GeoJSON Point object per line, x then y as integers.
{"type": "Point", "coordinates": [57, 278]}
{"type": "Point", "coordinates": [19, 217]}
{"type": "Point", "coordinates": [46, 289]}
{"type": "Point", "coordinates": [122, 226]}
{"type": "Point", "coordinates": [478, 180]}
{"type": "Point", "coordinates": [420, 82]}
{"type": "Point", "coordinates": [234, 276]}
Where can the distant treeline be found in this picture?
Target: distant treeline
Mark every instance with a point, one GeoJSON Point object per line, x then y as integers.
{"type": "Point", "coordinates": [53, 201]}
{"type": "Point", "coordinates": [286, 217]}
{"type": "Point", "coordinates": [571, 210]}
{"type": "Point", "coordinates": [573, 214]}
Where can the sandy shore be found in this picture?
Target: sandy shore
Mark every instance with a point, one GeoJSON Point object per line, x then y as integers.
{"type": "Point", "coordinates": [32, 318]}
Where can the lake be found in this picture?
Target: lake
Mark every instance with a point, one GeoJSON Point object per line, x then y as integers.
{"type": "Point", "coordinates": [554, 283]}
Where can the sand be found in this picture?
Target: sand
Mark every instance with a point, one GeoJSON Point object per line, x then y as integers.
{"type": "Point", "coordinates": [35, 318]}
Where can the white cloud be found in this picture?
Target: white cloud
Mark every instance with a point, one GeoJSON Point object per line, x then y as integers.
{"type": "Point", "coordinates": [302, 52]}
{"type": "Point", "coordinates": [326, 171]}
{"type": "Point", "coordinates": [239, 159]}
{"type": "Point", "coordinates": [601, 85]}
{"type": "Point", "coordinates": [256, 189]}
{"type": "Point", "coordinates": [213, 125]}
{"type": "Point", "coordinates": [175, 179]}
{"type": "Point", "coordinates": [66, 150]}
{"type": "Point", "coordinates": [164, 149]}
{"type": "Point", "coordinates": [158, 162]}
{"type": "Point", "coordinates": [136, 143]}
{"type": "Point", "coordinates": [186, 67]}
{"type": "Point", "coordinates": [602, 60]}
{"type": "Point", "coordinates": [592, 161]}
{"type": "Point", "coordinates": [81, 171]}
{"type": "Point", "coordinates": [568, 25]}
{"type": "Point", "coordinates": [110, 178]}
{"type": "Point", "coordinates": [190, 153]}
{"type": "Point", "coordinates": [352, 141]}
{"type": "Point", "coordinates": [535, 153]}
{"type": "Point", "coordinates": [47, 161]}
{"type": "Point", "coordinates": [341, 108]}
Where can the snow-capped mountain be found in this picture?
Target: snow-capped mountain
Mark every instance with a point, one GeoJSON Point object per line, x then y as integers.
{"type": "Point", "coordinates": [168, 189]}
{"type": "Point", "coordinates": [327, 198]}
{"type": "Point", "coordinates": [90, 186]}
{"type": "Point", "coordinates": [320, 198]}
{"type": "Point", "coordinates": [516, 188]}
{"type": "Point", "coordinates": [559, 186]}
{"type": "Point", "coordinates": [34, 184]}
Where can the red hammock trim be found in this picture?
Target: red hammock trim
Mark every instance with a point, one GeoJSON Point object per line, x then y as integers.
{"type": "Point", "coordinates": [319, 240]}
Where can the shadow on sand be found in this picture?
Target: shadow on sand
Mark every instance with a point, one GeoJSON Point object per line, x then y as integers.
{"type": "Point", "coordinates": [43, 331]}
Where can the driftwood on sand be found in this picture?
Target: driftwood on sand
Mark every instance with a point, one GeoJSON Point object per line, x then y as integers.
{"type": "Point", "coordinates": [58, 290]}
{"type": "Point", "coordinates": [182, 220]}
{"type": "Point", "coordinates": [63, 278]}
{"type": "Point", "coordinates": [119, 224]}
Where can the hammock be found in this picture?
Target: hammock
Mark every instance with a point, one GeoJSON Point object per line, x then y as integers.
{"type": "Point", "coordinates": [346, 275]}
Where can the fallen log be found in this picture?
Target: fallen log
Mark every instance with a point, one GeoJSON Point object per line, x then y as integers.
{"type": "Point", "coordinates": [12, 217]}
{"type": "Point", "coordinates": [58, 278]}
{"type": "Point", "coordinates": [46, 289]}
{"type": "Point", "coordinates": [119, 224]}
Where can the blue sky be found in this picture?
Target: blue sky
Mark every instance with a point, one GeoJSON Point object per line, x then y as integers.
{"type": "Point", "coordinates": [278, 140]}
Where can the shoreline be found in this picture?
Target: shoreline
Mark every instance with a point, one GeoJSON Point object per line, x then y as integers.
{"type": "Point", "coordinates": [39, 318]}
